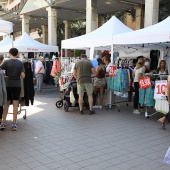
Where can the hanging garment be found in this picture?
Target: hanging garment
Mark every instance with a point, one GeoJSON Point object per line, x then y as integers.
{"type": "Point", "coordinates": [146, 97]}
{"type": "Point", "coordinates": [125, 82]}
{"type": "Point", "coordinates": [3, 93]}
{"type": "Point", "coordinates": [118, 81]}
{"type": "Point", "coordinates": [48, 79]}
{"type": "Point", "coordinates": [58, 67]}
{"type": "Point", "coordinates": [161, 106]}
{"type": "Point", "coordinates": [28, 84]}
{"type": "Point", "coordinates": [54, 68]}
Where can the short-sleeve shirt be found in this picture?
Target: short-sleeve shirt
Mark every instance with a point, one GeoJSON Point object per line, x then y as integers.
{"type": "Point", "coordinates": [14, 68]}
{"type": "Point", "coordinates": [39, 64]}
{"type": "Point", "coordinates": [137, 71]}
{"type": "Point", "coordinates": [83, 70]}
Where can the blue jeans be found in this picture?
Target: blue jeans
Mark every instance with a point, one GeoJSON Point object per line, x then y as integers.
{"type": "Point", "coordinates": [39, 82]}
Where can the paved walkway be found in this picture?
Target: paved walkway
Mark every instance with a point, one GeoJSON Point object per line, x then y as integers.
{"type": "Point", "coordinates": [53, 139]}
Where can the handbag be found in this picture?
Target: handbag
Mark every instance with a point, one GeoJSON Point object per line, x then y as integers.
{"type": "Point", "coordinates": [144, 82]}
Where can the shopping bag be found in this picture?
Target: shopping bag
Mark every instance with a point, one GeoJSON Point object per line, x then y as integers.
{"type": "Point", "coordinates": [144, 82]}
{"type": "Point", "coordinates": [72, 98]}
{"type": "Point", "coordinates": [167, 156]}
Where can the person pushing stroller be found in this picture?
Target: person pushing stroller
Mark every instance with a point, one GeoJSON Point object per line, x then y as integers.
{"type": "Point", "coordinates": [82, 72]}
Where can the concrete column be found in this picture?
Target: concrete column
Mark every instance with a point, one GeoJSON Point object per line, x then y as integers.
{"type": "Point", "coordinates": [67, 35]}
{"type": "Point", "coordinates": [151, 12]}
{"type": "Point", "coordinates": [45, 34]}
{"type": "Point", "coordinates": [91, 15]}
{"type": "Point", "coordinates": [25, 24]}
{"type": "Point", "coordinates": [52, 26]}
{"type": "Point", "coordinates": [91, 19]}
{"type": "Point", "coordinates": [138, 23]}
{"type": "Point", "coordinates": [99, 24]}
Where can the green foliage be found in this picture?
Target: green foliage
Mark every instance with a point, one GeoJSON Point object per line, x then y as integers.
{"type": "Point", "coordinates": [121, 15]}
{"type": "Point", "coordinates": [78, 28]}
{"type": "Point", "coordinates": [164, 10]}
{"type": "Point", "coordinates": [77, 53]}
{"type": "Point", "coordinates": [60, 34]}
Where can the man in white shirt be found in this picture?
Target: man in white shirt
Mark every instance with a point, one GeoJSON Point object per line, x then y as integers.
{"type": "Point", "coordinates": [39, 74]}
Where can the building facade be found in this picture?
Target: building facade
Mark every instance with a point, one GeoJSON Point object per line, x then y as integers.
{"type": "Point", "coordinates": [40, 17]}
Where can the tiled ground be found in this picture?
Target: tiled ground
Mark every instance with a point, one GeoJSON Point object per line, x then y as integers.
{"type": "Point", "coordinates": [51, 138]}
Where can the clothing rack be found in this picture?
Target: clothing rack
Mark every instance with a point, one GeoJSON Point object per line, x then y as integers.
{"type": "Point", "coordinates": [20, 110]}
{"type": "Point", "coordinates": [147, 115]}
{"type": "Point", "coordinates": [112, 101]}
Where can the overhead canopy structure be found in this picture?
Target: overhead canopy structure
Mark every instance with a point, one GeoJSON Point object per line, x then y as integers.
{"type": "Point", "coordinates": [6, 27]}
{"type": "Point", "coordinates": [157, 36]}
{"type": "Point", "coordinates": [26, 44]}
{"type": "Point", "coordinates": [7, 40]}
{"type": "Point", "coordinates": [99, 38]}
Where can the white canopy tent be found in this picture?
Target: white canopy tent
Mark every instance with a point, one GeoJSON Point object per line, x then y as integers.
{"type": "Point", "coordinates": [6, 27]}
{"type": "Point", "coordinates": [155, 37]}
{"type": "Point", "coordinates": [5, 41]}
{"type": "Point", "coordinates": [26, 44]}
{"type": "Point", "coordinates": [98, 39]}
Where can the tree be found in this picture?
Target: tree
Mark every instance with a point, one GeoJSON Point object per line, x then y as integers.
{"type": "Point", "coordinates": [164, 10]}
{"type": "Point", "coordinates": [78, 28]}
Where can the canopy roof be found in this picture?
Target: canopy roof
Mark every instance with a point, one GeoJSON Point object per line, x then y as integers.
{"type": "Point", "coordinates": [6, 41]}
{"type": "Point", "coordinates": [6, 27]}
{"type": "Point", "coordinates": [98, 38]}
{"type": "Point", "coordinates": [158, 34]}
{"type": "Point", "coordinates": [26, 44]}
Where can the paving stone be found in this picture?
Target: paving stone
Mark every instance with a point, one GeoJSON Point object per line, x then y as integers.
{"type": "Point", "coordinates": [51, 138]}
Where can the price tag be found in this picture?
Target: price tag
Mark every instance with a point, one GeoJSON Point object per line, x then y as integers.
{"type": "Point", "coordinates": [112, 71]}
{"type": "Point", "coordinates": [144, 83]}
{"type": "Point", "coordinates": [160, 89]}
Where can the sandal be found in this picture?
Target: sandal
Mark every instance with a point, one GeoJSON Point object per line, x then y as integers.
{"type": "Point", "coordinates": [162, 124]}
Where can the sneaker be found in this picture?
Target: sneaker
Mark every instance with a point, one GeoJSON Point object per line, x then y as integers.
{"type": "Point", "coordinates": [95, 107]}
{"type": "Point", "coordinates": [81, 112]}
{"type": "Point", "coordinates": [91, 112]}
{"type": "Point", "coordinates": [2, 126]}
{"type": "Point", "coordinates": [136, 112]}
{"type": "Point", "coordinates": [14, 127]}
{"type": "Point", "coordinates": [100, 107]}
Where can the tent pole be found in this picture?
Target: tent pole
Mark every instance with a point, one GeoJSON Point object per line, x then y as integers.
{"type": "Point", "coordinates": [111, 93]}
{"type": "Point", "coordinates": [91, 53]}
{"type": "Point", "coordinates": [12, 37]}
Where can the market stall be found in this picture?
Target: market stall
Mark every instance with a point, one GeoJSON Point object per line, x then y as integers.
{"type": "Point", "coordinates": [155, 37]}
{"type": "Point", "coordinates": [6, 27]}
{"type": "Point", "coordinates": [99, 39]}
{"type": "Point", "coordinates": [26, 44]}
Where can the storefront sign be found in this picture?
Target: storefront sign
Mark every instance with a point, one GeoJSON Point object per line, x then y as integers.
{"type": "Point", "coordinates": [160, 89]}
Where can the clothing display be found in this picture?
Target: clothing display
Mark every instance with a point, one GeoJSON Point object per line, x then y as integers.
{"type": "Point", "coordinates": [121, 81]}
{"type": "Point", "coordinates": [146, 97]}
{"type": "Point", "coordinates": [161, 106]}
{"type": "Point", "coordinates": [154, 59]}
{"type": "Point", "coordinates": [55, 67]}
{"type": "Point", "coordinates": [3, 93]}
{"type": "Point", "coordinates": [48, 79]}
{"type": "Point", "coordinates": [28, 84]}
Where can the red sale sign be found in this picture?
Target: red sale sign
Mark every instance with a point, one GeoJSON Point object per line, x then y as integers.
{"type": "Point", "coordinates": [112, 71]}
{"type": "Point", "coordinates": [144, 83]}
{"type": "Point", "coordinates": [160, 89]}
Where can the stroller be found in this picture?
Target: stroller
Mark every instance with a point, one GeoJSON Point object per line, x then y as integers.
{"type": "Point", "coordinates": [65, 96]}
